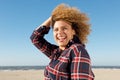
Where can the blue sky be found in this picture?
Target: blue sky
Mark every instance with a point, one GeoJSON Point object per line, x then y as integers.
{"type": "Point", "coordinates": [18, 19]}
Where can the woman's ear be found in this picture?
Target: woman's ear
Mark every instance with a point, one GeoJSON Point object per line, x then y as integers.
{"type": "Point", "coordinates": [74, 33]}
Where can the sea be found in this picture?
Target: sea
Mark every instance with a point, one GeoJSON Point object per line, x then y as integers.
{"type": "Point", "coordinates": [21, 68]}
{"type": "Point", "coordinates": [43, 67]}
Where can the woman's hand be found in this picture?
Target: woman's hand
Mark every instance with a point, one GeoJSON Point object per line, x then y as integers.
{"type": "Point", "coordinates": [47, 22]}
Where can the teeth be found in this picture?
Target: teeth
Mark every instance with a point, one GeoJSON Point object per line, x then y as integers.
{"type": "Point", "coordinates": [61, 38]}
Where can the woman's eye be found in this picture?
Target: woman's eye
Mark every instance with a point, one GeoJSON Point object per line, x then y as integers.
{"type": "Point", "coordinates": [64, 28]}
{"type": "Point", "coordinates": [55, 29]}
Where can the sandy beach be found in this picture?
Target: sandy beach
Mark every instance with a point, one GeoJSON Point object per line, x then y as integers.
{"type": "Point", "coordinates": [100, 74]}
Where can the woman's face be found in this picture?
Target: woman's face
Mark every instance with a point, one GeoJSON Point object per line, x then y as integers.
{"type": "Point", "coordinates": [63, 33]}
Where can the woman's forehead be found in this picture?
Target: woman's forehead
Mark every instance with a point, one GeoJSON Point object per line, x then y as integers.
{"type": "Point", "coordinates": [61, 23]}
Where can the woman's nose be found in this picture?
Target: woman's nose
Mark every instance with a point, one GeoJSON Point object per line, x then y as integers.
{"type": "Point", "coordinates": [60, 31]}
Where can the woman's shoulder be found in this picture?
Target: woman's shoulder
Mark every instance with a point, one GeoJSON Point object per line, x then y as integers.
{"type": "Point", "coordinates": [78, 50]}
{"type": "Point", "coordinates": [77, 46]}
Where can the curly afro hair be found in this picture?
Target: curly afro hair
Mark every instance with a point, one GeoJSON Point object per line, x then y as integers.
{"type": "Point", "coordinates": [78, 20]}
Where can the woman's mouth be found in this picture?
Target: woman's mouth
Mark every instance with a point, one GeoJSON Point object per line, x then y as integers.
{"type": "Point", "coordinates": [61, 39]}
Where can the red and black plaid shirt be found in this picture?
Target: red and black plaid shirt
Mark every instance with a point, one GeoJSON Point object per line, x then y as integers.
{"type": "Point", "coordinates": [73, 63]}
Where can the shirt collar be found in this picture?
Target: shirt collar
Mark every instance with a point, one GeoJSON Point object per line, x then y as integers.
{"type": "Point", "coordinates": [73, 41]}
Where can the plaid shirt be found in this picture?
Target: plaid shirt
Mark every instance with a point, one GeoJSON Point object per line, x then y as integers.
{"type": "Point", "coordinates": [73, 63]}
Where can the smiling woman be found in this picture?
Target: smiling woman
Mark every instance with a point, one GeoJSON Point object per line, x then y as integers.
{"type": "Point", "coordinates": [69, 59]}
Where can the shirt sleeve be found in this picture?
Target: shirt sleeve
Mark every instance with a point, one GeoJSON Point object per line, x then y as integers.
{"type": "Point", "coordinates": [39, 41]}
{"type": "Point", "coordinates": [80, 64]}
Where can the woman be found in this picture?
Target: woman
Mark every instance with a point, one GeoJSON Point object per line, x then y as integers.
{"type": "Point", "coordinates": [69, 60]}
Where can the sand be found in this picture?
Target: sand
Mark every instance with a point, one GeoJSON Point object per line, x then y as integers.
{"type": "Point", "coordinates": [107, 74]}
{"type": "Point", "coordinates": [100, 74]}
{"type": "Point", "coordinates": [22, 75]}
